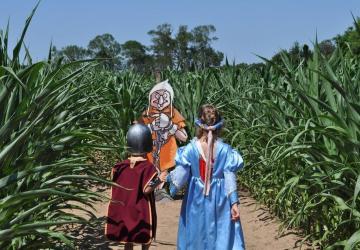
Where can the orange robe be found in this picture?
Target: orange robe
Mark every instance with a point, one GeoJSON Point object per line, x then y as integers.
{"type": "Point", "coordinates": [168, 150]}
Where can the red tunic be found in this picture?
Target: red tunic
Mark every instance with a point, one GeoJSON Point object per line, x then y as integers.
{"type": "Point", "coordinates": [131, 213]}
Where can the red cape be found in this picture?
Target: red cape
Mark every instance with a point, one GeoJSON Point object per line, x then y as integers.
{"type": "Point", "coordinates": [131, 213]}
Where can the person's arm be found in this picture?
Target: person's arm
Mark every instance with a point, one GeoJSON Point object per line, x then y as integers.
{"type": "Point", "coordinates": [235, 213]}
{"type": "Point", "coordinates": [178, 131]}
{"type": "Point", "coordinates": [155, 182]}
{"type": "Point", "coordinates": [234, 162]}
{"type": "Point", "coordinates": [180, 175]}
{"type": "Point", "coordinates": [181, 135]}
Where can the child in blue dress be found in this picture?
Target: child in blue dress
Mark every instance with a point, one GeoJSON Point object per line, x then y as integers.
{"type": "Point", "coordinates": [209, 218]}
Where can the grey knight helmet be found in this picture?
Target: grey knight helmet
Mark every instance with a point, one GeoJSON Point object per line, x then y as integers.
{"type": "Point", "coordinates": [139, 140]}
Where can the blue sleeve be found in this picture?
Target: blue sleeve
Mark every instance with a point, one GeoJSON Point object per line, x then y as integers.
{"type": "Point", "coordinates": [233, 198]}
{"type": "Point", "coordinates": [180, 175]}
{"type": "Point", "coordinates": [233, 163]}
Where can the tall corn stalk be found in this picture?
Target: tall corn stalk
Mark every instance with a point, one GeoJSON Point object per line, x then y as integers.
{"type": "Point", "coordinates": [298, 126]}
{"type": "Point", "coordinates": [44, 143]}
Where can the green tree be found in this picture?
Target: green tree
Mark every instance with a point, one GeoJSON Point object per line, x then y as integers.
{"type": "Point", "coordinates": [203, 55]}
{"type": "Point", "coordinates": [296, 54]}
{"type": "Point", "coordinates": [350, 38]}
{"type": "Point", "coordinates": [163, 46]}
{"type": "Point", "coordinates": [105, 46]}
{"type": "Point", "coordinates": [73, 53]}
{"type": "Point", "coordinates": [183, 41]}
{"type": "Point", "coordinates": [187, 50]}
{"type": "Point", "coordinates": [327, 47]}
{"type": "Point", "coordinates": [136, 57]}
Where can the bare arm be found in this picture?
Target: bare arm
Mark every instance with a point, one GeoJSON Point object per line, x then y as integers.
{"type": "Point", "coordinates": [181, 135]}
{"type": "Point", "coordinates": [235, 214]}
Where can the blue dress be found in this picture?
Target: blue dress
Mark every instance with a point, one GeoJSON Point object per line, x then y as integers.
{"type": "Point", "coordinates": [205, 221]}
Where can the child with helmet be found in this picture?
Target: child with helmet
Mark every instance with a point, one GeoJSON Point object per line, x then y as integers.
{"type": "Point", "coordinates": [131, 216]}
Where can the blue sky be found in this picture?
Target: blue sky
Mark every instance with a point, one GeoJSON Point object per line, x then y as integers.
{"type": "Point", "coordinates": [244, 28]}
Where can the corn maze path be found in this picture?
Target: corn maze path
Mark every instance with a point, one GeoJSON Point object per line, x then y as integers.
{"type": "Point", "coordinates": [261, 229]}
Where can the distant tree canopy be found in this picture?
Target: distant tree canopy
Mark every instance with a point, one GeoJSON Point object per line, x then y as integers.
{"type": "Point", "coordinates": [187, 49]}
{"type": "Point", "coordinates": [190, 49]}
{"type": "Point", "coordinates": [136, 56]}
{"type": "Point", "coordinates": [105, 46]}
{"type": "Point", "coordinates": [301, 53]}
{"type": "Point", "coordinates": [350, 38]}
{"type": "Point", "coordinates": [102, 46]}
{"type": "Point", "coordinates": [73, 52]}
{"type": "Point", "coordinates": [163, 46]}
{"type": "Point", "coordinates": [184, 50]}
{"type": "Point", "coordinates": [327, 47]}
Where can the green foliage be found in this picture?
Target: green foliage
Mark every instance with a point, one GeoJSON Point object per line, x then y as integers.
{"type": "Point", "coordinates": [183, 54]}
{"type": "Point", "coordinates": [122, 97]}
{"type": "Point", "coordinates": [72, 53]}
{"type": "Point", "coordinates": [350, 38]}
{"type": "Point", "coordinates": [185, 51]}
{"type": "Point", "coordinates": [327, 47]}
{"type": "Point", "coordinates": [45, 138]}
{"type": "Point", "coordinates": [295, 119]}
{"type": "Point", "coordinates": [163, 46]}
{"type": "Point", "coordinates": [105, 46]}
{"type": "Point", "coordinates": [136, 57]}
{"type": "Point", "coordinates": [298, 127]}
{"type": "Point", "coordinates": [299, 54]}
{"type": "Point", "coordinates": [204, 55]}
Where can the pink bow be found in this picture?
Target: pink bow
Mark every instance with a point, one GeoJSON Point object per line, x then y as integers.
{"type": "Point", "coordinates": [209, 163]}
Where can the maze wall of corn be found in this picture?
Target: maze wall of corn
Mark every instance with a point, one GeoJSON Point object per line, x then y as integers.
{"type": "Point", "coordinates": [297, 126]}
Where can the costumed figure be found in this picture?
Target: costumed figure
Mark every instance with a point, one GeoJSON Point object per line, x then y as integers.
{"type": "Point", "coordinates": [209, 218]}
{"type": "Point", "coordinates": [166, 123]}
{"type": "Point", "coordinates": [131, 216]}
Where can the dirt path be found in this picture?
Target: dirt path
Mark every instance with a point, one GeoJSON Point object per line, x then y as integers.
{"type": "Point", "coordinates": [260, 228]}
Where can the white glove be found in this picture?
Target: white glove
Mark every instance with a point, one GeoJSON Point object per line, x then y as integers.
{"type": "Point", "coordinates": [173, 129]}
{"type": "Point", "coordinates": [161, 121]}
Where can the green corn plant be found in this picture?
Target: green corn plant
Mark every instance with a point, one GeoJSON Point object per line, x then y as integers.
{"type": "Point", "coordinates": [299, 127]}
{"type": "Point", "coordinates": [296, 124]}
{"type": "Point", "coordinates": [45, 138]}
{"type": "Point", "coordinates": [122, 97]}
{"type": "Point", "coordinates": [190, 93]}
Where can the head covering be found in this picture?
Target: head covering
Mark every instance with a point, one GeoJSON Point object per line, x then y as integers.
{"type": "Point", "coordinates": [139, 140]}
{"type": "Point", "coordinates": [165, 85]}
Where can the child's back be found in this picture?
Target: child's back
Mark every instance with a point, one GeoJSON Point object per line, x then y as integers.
{"type": "Point", "coordinates": [131, 212]}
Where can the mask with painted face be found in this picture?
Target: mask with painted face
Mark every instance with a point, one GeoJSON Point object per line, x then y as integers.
{"type": "Point", "coordinates": [160, 99]}
{"type": "Point", "coordinates": [161, 96]}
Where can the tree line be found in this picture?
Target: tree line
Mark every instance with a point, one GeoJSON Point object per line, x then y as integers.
{"type": "Point", "coordinates": [182, 50]}
{"type": "Point", "coordinates": [301, 52]}
{"type": "Point", "coordinates": [188, 50]}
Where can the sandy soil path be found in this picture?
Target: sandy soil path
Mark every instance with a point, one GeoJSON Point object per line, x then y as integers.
{"type": "Point", "coordinates": [259, 226]}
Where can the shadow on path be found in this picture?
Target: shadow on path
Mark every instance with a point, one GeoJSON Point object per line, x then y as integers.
{"type": "Point", "coordinates": [91, 236]}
